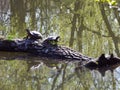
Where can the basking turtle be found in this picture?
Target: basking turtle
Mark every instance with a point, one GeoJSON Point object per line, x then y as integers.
{"type": "Point", "coordinates": [51, 41]}
{"type": "Point", "coordinates": [33, 35]}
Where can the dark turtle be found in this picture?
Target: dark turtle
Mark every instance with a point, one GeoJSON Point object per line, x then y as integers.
{"type": "Point", "coordinates": [33, 35]}
{"type": "Point", "coordinates": [51, 41]}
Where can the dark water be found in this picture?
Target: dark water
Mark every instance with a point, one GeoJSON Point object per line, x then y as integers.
{"type": "Point", "coordinates": [81, 26]}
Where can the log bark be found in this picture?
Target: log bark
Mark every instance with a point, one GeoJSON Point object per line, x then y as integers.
{"type": "Point", "coordinates": [35, 48]}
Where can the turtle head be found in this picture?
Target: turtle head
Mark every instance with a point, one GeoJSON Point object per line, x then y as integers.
{"type": "Point", "coordinates": [27, 30]}
{"type": "Point", "coordinates": [57, 38]}
{"type": "Point", "coordinates": [55, 41]}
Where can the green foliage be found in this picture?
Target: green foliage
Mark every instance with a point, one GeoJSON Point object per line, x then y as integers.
{"type": "Point", "coordinates": [10, 37]}
{"type": "Point", "coordinates": [110, 2]}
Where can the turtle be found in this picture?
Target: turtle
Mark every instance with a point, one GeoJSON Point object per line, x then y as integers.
{"type": "Point", "coordinates": [51, 41]}
{"type": "Point", "coordinates": [33, 35]}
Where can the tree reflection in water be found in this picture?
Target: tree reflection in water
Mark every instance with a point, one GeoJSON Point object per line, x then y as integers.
{"type": "Point", "coordinates": [47, 74]}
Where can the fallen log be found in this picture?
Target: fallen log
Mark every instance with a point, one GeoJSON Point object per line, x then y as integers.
{"type": "Point", "coordinates": [57, 52]}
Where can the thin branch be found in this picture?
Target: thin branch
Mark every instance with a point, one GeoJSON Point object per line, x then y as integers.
{"type": "Point", "coordinates": [95, 32]}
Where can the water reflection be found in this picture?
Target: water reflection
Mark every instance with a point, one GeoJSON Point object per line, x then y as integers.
{"type": "Point", "coordinates": [37, 73]}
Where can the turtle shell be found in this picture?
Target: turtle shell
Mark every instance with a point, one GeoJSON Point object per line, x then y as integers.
{"type": "Point", "coordinates": [34, 34]}
{"type": "Point", "coordinates": [52, 40]}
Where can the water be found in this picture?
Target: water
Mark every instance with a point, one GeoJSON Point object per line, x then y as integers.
{"type": "Point", "coordinates": [81, 27]}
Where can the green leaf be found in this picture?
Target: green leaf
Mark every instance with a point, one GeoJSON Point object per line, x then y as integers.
{"type": "Point", "coordinates": [113, 3]}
